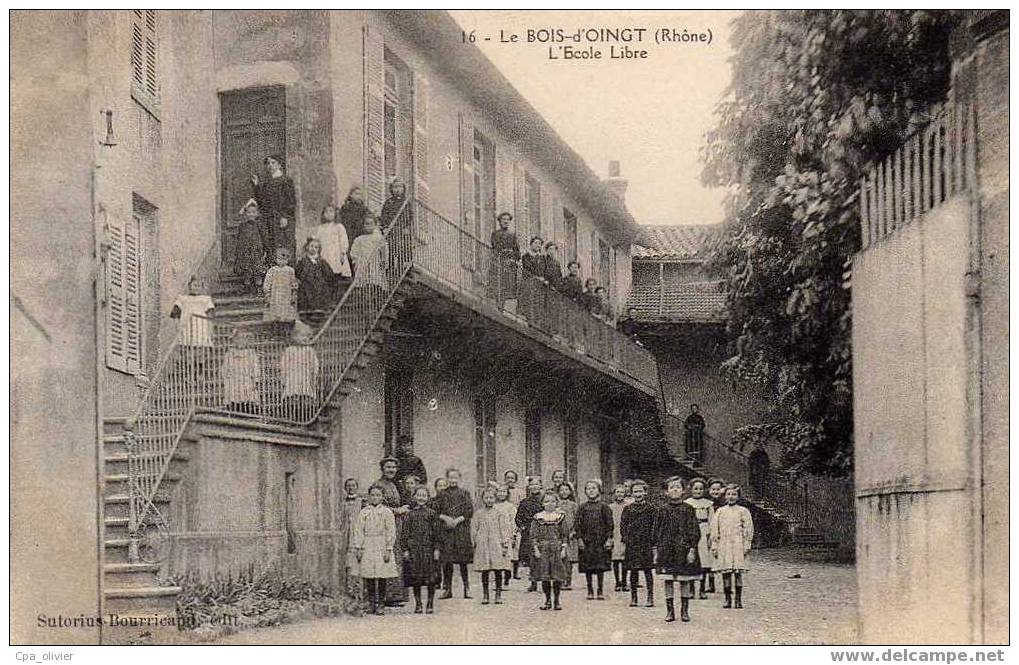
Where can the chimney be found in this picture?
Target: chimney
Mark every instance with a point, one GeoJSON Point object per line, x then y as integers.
{"type": "Point", "coordinates": [616, 182]}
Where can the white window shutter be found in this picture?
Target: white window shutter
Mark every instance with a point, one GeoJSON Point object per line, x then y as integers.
{"type": "Point", "coordinates": [116, 323]}
{"type": "Point", "coordinates": [374, 109]}
{"type": "Point", "coordinates": [421, 138]}
{"type": "Point", "coordinates": [132, 296]}
{"type": "Point", "coordinates": [468, 223]}
{"type": "Point", "coordinates": [123, 295]}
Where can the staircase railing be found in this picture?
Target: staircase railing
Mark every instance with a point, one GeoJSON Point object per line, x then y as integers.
{"type": "Point", "coordinates": [817, 502]}
{"type": "Point", "coordinates": [256, 370]}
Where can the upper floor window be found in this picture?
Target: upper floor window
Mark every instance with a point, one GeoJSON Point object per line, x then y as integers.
{"type": "Point", "coordinates": [570, 224]}
{"type": "Point", "coordinates": [396, 125]}
{"type": "Point", "coordinates": [532, 197]}
{"type": "Point", "coordinates": [144, 48]}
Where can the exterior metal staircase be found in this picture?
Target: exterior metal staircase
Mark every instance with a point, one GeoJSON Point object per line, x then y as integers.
{"type": "Point", "coordinates": [814, 512]}
{"type": "Point", "coordinates": [145, 455]}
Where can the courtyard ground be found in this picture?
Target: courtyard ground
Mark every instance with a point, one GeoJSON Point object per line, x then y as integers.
{"type": "Point", "coordinates": [791, 596]}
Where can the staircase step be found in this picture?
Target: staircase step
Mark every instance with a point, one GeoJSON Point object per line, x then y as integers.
{"type": "Point", "coordinates": [117, 550]}
{"type": "Point", "coordinates": [130, 575]}
{"type": "Point", "coordinates": [117, 462]}
{"type": "Point", "coordinates": [116, 505]}
{"type": "Point", "coordinates": [116, 483]}
{"type": "Point", "coordinates": [145, 599]}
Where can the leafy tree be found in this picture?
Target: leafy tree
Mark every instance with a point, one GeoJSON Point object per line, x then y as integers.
{"type": "Point", "coordinates": [816, 97]}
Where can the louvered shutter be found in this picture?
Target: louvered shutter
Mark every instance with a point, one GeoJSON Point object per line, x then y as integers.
{"type": "Point", "coordinates": [123, 295]}
{"type": "Point", "coordinates": [520, 216]}
{"type": "Point", "coordinates": [132, 295]}
{"type": "Point", "coordinates": [468, 222]}
{"type": "Point", "coordinates": [144, 48]}
{"type": "Point", "coordinates": [374, 109]}
{"type": "Point", "coordinates": [558, 227]}
{"type": "Point", "coordinates": [612, 280]}
{"type": "Point", "coordinates": [421, 138]}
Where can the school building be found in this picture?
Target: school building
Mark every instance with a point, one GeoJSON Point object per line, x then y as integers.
{"type": "Point", "coordinates": [134, 136]}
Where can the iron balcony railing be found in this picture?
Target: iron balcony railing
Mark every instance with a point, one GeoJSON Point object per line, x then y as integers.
{"type": "Point", "coordinates": [468, 264]}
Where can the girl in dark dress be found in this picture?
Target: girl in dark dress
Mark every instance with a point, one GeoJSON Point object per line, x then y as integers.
{"type": "Point", "coordinates": [249, 250]}
{"type": "Point", "coordinates": [393, 204]}
{"type": "Point", "coordinates": [316, 284]}
{"type": "Point", "coordinates": [528, 508]}
{"type": "Point", "coordinates": [637, 528]}
{"type": "Point", "coordinates": [277, 203]}
{"type": "Point", "coordinates": [419, 545]}
{"type": "Point", "coordinates": [549, 535]}
{"type": "Point", "coordinates": [678, 535]}
{"type": "Point", "coordinates": [455, 509]}
{"type": "Point", "coordinates": [593, 528]}
{"type": "Point", "coordinates": [352, 213]}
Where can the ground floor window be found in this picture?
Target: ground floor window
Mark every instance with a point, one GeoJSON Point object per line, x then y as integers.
{"type": "Point", "coordinates": [399, 406]}
{"type": "Point", "coordinates": [484, 429]}
{"type": "Point", "coordinates": [532, 442]}
{"type": "Point", "coordinates": [570, 453]}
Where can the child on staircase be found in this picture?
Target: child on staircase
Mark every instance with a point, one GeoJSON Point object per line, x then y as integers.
{"type": "Point", "coordinates": [195, 335]}
{"type": "Point", "coordinates": [280, 288]}
{"type": "Point", "coordinates": [249, 248]}
{"type": "Point", "coordinates": [240, 374]}
{"type": "Point", "coordinates": [732, 534]}
{"type": "Point", "coordinates": [299, 372]}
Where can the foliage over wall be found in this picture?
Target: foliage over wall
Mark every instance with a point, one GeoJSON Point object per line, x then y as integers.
{"type": "Point", "coordinates": [816, 96]}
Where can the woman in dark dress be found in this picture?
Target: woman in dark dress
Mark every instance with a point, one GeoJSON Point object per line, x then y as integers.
{"type": "Point", "coordinates": [505, 256]}
{"type": "Point", "coordinates": [593, 528]}
{"type": "Point", "coordinates": [316, 283]}
{"type": "Point", "coordinates": [352, 212]}
{"type": "Point", "coordinates": [455, 510]}
{"type": "Point", "coordinates": [678, 534]}
{"type": "Point", "coordinates": [419, 548]}
{"type": "Point", "coordinates": [528, 508]}
{"type": "Point", "coordinates": [277, 204]}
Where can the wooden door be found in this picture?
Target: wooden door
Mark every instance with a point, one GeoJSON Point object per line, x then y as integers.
{"type": "Point", "coordinates": [253, 127]}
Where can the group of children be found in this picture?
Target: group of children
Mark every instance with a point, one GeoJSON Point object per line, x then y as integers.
{"type": "Point", "coordinates": [687, 538]}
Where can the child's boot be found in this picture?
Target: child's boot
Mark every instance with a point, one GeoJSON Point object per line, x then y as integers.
{"type": "Point", "coordinates": [650, 598]}
{"type": "Point", "coordinates": [484, 597]}
{"type": "Point", "coordinates": [467, 590]}
{"type": "Point", "coordinates": [533, 587]}
{"type": "Point", "coordinates": [739, 598]}
{"type": "Point", "coordinates": [633, 596]}
{"type": "Point", "coordinates": [498, 596]}
{"type": "Point", "coordinates": [555, 594]}
{"type": "Point", "coordinates": [704, 593]}
{"type": "Point", "coordinates": [684, 609]}
{"type": "Point", "coordinates": [728, 599]}
{"type": "Point", "coordinates": [417, 600]}
{"type": "Point", "coordinates": [430, 607]}
{"type": "Point", "coordinates": [670, 610]}
{"type": "Point", "coordinates": [711, 583]}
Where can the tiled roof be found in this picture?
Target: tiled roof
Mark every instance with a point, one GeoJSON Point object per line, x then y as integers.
{"type": "Point", "coordinates": [687, 242]}
{"type": "Point", "coordinates": [701, 302]}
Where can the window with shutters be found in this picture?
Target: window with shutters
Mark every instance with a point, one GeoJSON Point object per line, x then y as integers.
{"type": "Point", "coordinates": [570, 225]}
{"type": "Point", "coordinates": [484, 186]}
{"type": "Point", "coordinates": [124, 318]}
{"type": "Point", "coordinates": [532, 196]}
{"type": "Point", "coordinates": [532, 442]}
{"type": "Point", "coordinates": [604, 265]}
{"type": "Point", "coordinates": [397, 125]}
{"type": "Point", "coordinates": [484, 431]}
{"type": "Point", "coordinates": [144, 66]}
{"type": "Point", "coordinates": [389, 119]}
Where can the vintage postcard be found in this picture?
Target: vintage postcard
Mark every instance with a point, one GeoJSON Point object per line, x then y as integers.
{"type": "Point", "coordinates": [517, 327]}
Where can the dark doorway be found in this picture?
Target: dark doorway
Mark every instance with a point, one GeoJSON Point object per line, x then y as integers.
{"type": "Point", "coordinates": [759, 466]}
{"type": "Point", "coordinates": [253, 127]}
